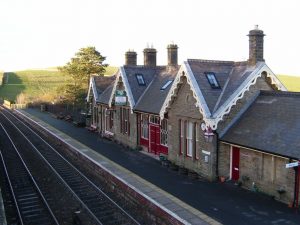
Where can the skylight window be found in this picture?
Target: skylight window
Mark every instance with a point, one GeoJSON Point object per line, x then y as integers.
{"type": "Point", "coordinates": [212, 80]}
{"type": "Point", "coordinates": [166, 85]}
{"type": "Point", "coordinates": [140, 79]}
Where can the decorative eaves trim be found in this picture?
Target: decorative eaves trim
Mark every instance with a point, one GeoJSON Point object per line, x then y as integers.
{"type": "Point", "coordinates": [204, 110]}
{"type": "Point", "coordinates": [185, 70]}
{"type": "Point", "coordinates": [92, 87]}
{"type": "Point", "coordinates": [127, 88]}
{"type": "Point", "coordinates": [240, 92]}
{"type": "Point", "coordinates": [114, 89]}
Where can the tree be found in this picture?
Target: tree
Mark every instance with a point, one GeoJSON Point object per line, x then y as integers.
{"type": "Point", "coordinates": [87, 62]}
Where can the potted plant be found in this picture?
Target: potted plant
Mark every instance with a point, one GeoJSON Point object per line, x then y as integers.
{"type": "Point", "coordinates": [173, 166]}
{"type": "Point", "coordinates": [281, 190]}
{"type": "Point", "coordinates": [245, 178]}
{"type": "Point", "coordinates": [222, 179]}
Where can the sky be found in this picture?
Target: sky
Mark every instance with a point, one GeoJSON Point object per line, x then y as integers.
{"type": "Point", "coordinates": [47, 33]}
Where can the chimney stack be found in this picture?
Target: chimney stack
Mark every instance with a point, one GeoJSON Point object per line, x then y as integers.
{"type": "Point", "coordinates": [172, 55]}
{"type": "Point", "coordinates": [130, 58]}
{"type": "Point", "coordinates": [256, 46]}
{"type": "Point", "coordinates": [150, 56]}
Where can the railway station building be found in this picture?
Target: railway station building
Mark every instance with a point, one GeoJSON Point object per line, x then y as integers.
{"type": "Point", "coordinates": [233, 120]}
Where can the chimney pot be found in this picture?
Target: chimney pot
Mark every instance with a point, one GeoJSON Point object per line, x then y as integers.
{"type": "Point", "coordinates": [256, 46]}
{"type": "Point", "coordinates": [172, 55]}
{"type": "Point", "coordinates": [150, 56]}
{"type": "Point", "coordinates": [130, 58]}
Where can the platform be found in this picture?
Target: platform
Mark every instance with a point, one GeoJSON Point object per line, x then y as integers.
{"type": "Point", "coordinates": [225, 202]}
{"type": "Point", "coordinates": [170, 204]}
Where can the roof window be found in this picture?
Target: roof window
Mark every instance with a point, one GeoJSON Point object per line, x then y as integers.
{"type": "Point", "coordinates": [166, 85]}
{"type": "Point", "coordinates": [212, 80]}
{"type": "Point", "coordinates": [140, 79]}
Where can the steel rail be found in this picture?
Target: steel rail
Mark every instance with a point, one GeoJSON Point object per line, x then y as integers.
{"type": "Point", "coordinates": [67, 162]}
{"type": "Point", "coordinates": [31, 179]}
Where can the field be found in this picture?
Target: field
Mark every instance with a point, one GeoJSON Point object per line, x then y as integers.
{"type": "Point", "coordinates": [292, 83]}
{"type": "Point", "coordinates": [33, 85]}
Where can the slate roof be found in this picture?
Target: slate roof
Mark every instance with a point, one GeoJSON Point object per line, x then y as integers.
{"type": "Point", "coordinates": [104, 86]}
{"type": "Point", "coordinates": [102, 82]}
{"type": "Point", "coordinates": [148, 74]}
{"type": "Point", "coordinates": [105, 95]}
{"type": "Point", "coordinates": [229, 74]}
{"type": "Point", "coordinates": [153, 98]}
{"type": "Point", "coordinates": [271, 124]}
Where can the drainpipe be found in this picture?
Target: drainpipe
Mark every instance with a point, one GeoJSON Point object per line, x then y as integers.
{"type": "Point", "coordinates": [217, 154]}
{"type": "Point", "coordinates": [296, 188]}
{"type": "Point", "coordinates": [138, 129]}
{"type": "Point", "coordinates": [295, 185]}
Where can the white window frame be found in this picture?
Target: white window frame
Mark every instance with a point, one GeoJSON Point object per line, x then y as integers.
{"type": "Point", "coordinates": [145, 126]}
{"type": "Point", "coordinates": [166, 84]}
{"type": "Point", "coordinates": [140, 79]}
{"type": "Point", "coordinates": [197, 130]}
{"type": "Point", "coordinates": [164, 132]}
{"type": "Point", "coordinates": [125, 119]}
{"type": "Point", "coordinates": [211, 77]}
{"type": "Point", "coordinates": [189, 138]}
{"type": "Point", "coordinates": [182, 140]}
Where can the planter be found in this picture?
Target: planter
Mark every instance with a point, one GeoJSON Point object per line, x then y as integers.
{"type": "Point", "coordinates": [222, 179]}
{"type": "Point", "coordinates": [173, 167]}
{"type": "Point", "coordinates": [165, 163]}
{"type": "Point", "coordinates": [182, 171]}
{"type": "Point", "coordinates": [193, 175]}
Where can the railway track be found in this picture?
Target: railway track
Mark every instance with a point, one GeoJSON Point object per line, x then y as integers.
{"type": "Point", "coordinates": [31, 205]}
{"type": "Point", "coordinates": [92, 201]}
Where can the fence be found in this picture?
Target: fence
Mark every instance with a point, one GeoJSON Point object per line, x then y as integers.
{"type": "Point", "coordinates": [10, 105]}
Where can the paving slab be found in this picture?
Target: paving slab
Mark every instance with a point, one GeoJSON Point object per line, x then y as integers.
{"type": "Point", "coordinates": [156, 195]}
{"type": "Point", "coordinates": [212, 202]}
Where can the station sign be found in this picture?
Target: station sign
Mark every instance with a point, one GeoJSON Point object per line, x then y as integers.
{"type": "Point", "coordinates": [290, 165]}
{"type": "Point", "coordinates": [120, 97]}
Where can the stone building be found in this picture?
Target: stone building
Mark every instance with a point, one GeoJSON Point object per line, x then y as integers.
{"type": "Point", "coordinates": [258, 144]}
{"type": "Point", "coordinates": [200, 114]}
{"type": "Point", "coordinates": [134, 101]}
{"type": "Point", "coordinates": [99, 92]}
{"type": "Point", "coordinates": [205, 97]}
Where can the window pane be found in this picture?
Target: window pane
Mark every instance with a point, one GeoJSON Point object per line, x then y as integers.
{"type": "Point", "coordinates": [144, 123]}
{"type": "Point", "coordinates": [189, 138]}
{"type": "Point", "coordinates": [212, 80]}
{"type": "Point", "coordinates": [166, 84]}
{"type": "Point", "coordinates": [164, 132]}
{"type": "Point", "coordinates": [140, 79]}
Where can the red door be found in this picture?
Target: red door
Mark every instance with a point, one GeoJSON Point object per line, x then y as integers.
{"type": "Point", "coordinates": [154, 138]}
{"type": "Point", "coordinates": [235, 168]}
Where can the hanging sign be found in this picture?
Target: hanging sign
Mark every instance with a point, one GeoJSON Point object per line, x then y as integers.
{"type": "Point", "coordinates": [120, 97]}
{"type": "Point", "coordinates": [294, 164]}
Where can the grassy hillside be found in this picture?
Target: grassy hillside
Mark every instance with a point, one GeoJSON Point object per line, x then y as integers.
{"type": "Point", "coordinates": [292, 83]}
{"type": "Point", "coordinates": [35, 85]}
{"type": "Point", "coordinates": [111, 70]}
